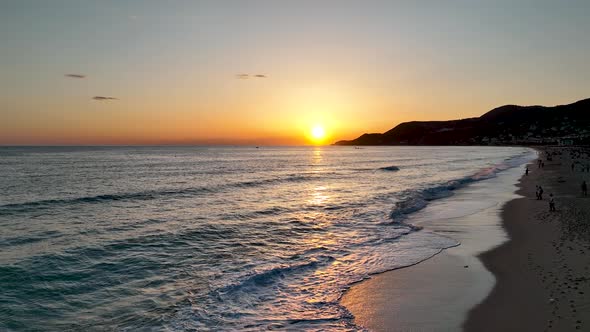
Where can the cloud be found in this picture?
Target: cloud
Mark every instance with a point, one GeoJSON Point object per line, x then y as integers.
{"type": "Point", "coordinates": [247, 76]}
{"type": "Point", "coordinates": [75, 75]}
{"type": "Point", "coordinates": [102, 98]}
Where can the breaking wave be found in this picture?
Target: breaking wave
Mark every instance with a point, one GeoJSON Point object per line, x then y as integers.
{"type": "Point", "coordinates": [415, 200]}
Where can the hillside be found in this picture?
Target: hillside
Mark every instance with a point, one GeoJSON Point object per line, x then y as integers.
{"type": "Point", "coordinates": [505, 125]}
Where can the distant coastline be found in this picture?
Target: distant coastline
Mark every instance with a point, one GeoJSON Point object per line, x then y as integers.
{"type": "Point", "coordinates": [506, 125]}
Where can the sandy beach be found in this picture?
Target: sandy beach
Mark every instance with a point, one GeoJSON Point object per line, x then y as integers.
{"type": "Point", "coordinates": [519, 267]}
{"type": "Point", "coordinates": [543, 271]}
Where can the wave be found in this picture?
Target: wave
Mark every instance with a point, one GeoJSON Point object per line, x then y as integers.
{"type": "Point", "coordinates": [9, 209]}
{"type": "Point", "coordinates": [266, 277]}
{"type": "Point", "coordinates": [238, 215]}
{"type": "Point", "coordinates": [416, 200]}
{"type": "Point", "coordinates": [389, 168]}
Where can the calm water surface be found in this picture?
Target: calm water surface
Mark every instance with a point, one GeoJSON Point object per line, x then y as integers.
{"type": "Point", "coordinates": [212, 238]}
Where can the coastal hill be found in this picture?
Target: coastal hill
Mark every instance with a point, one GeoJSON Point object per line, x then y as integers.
{"type": "Point", "coordinates": [505, 125]}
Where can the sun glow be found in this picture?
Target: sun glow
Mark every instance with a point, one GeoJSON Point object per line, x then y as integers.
{"type": "Point", "coordinates": [318, 134]}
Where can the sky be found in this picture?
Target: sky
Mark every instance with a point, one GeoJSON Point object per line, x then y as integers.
{"type": "Point", "coordinates": [86, 72]}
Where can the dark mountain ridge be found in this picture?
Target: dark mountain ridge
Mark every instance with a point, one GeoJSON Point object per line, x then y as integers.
{"type": "Point", "coordinates": [505, 125]}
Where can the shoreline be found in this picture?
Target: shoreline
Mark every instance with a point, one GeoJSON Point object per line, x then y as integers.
{"type": "Point", "coordinates": [534, 278]}
{"type": "Point", "coordinates": [449, 284]}
{"type": "Point", "coordinates": [542, 270]}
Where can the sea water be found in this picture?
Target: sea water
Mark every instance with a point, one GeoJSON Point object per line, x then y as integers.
{"type": "Point", "coordinates": [215, 238]}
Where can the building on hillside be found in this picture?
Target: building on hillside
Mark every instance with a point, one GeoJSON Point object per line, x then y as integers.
{"type": "Point", "coordinates": [563, 141]}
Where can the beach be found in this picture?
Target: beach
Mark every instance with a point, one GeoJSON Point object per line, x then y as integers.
{"type": "Point", "coordinates": [518, 268]}
{"type": "Point", "coordinates": [294, 166]}
{"type": "Point", "coordinates": [543, 270]}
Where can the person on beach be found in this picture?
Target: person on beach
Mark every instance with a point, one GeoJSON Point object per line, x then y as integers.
{"type": "Point", "coordinates": [526, 171]}
{"type": "Point", "coordinates": [540, 193]}
{"type": "Point", "coordinates": [551, 203]}
{"type": "Point", "coordinates": [584, 189]}
{"type": "Point", "coordinates": [537, 192]}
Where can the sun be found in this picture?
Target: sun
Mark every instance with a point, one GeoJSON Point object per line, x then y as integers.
{"type": "Point", "coordinates": [318, 133]}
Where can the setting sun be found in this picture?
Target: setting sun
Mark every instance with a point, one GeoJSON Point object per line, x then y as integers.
{"type": "Point", "coordinates": [318, 133]}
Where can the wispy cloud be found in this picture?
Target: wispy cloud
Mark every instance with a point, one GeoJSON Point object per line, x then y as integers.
{"type": "Point", "coordinates": [248, 76]}
{"type": "Point", "coordinates": [75, 75]}
{"type": "Point", "coordinates": [103, 98]}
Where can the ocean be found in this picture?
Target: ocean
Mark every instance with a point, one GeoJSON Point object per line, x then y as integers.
{"type": "Point", "coordinates": [215, 238]}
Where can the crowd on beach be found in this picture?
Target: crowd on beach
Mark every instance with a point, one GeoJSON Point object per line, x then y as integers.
{"type": "Point", "coordinates": [564, 173]}
{"type": "Point", "coordinates": [580, 162]}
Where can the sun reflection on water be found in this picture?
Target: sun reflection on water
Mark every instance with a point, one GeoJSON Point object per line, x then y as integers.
{"type": "Point", "coordinates": [317, 155]}
{"type": "Point", "coordinates": [319, 196]}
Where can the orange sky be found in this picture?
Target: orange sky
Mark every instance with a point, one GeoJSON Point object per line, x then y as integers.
{"type": "Point", "coordinates": [353, 68]}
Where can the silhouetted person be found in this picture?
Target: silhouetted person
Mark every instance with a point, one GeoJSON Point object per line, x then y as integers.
{"type": "Point", "coordinates": [584, 188]}
{"type": "Point", "coordinates": [540, 193]}
{"type": "Point", "coordinates": [526, 171]}
{"type": "Point", "coordinates": [537, 192]}
{"type": "Point", "coordinates": [551, 203]}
